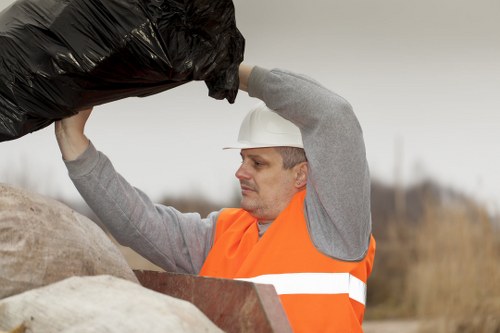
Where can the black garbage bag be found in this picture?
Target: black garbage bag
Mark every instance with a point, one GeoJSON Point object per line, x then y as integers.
{"type": "Point", "coordinates": [58, 57]}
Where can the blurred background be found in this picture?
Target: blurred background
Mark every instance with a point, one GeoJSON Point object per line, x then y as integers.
{"type": "Point", "coordinates": [424, 80]}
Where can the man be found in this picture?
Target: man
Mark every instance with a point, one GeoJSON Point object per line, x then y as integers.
{"type": "Point", "coordinates": [304, 225]}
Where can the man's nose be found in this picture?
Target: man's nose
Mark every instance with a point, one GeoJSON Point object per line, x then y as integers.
{"type": "Point", "coordinates": [242, 172]}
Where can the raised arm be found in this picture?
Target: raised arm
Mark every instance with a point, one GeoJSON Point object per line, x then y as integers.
{"type": "Point", "coordinates": [172, 240]}
{"type": "Point", "coordinates": [338, 190]}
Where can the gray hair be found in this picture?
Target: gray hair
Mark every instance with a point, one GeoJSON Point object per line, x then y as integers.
{"type": "Point", "coordinates": [291, 156]}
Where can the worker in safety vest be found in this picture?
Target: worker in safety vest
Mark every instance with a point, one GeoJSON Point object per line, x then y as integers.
{"type": "Point", "coordinates": [304, 224]}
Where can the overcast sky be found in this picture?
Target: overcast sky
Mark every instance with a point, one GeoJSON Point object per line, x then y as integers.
{"type": "Point", "coordinates": [422, 76]}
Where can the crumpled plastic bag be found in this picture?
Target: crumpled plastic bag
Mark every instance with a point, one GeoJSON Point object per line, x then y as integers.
{"type": "Point", "coordinates": [58, 57]}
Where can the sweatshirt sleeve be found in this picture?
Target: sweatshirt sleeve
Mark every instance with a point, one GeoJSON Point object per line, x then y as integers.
{"type": "Point", "coordinates": [159, 233]}
{"type": "Point", "coordinates": [338, 189]}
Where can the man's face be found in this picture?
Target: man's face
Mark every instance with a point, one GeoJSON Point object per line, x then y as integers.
{"type": "Point", "coordinates": [266, 187]}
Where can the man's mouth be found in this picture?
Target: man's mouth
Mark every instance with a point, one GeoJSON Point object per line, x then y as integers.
{"type": "Point", "coordinates": [245, 188]}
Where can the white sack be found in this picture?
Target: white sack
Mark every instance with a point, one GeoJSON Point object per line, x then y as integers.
{"type": "Point", "coordinates": [43, 241]}
{"type": "Point", "coordinates": [100, 304]}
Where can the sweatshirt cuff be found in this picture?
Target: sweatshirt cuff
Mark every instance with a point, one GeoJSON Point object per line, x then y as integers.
{"type": "Point", "coordinates": [255, 82]}
{"type": "Point", "coordinates": [84, 163]}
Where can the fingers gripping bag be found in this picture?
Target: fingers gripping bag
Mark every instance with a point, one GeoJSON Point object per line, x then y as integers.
{"type": "Point", "coordinates": [58, 57]}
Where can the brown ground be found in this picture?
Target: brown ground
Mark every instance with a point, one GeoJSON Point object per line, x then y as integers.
{"type": "Point", "coordinates": [390, 326]}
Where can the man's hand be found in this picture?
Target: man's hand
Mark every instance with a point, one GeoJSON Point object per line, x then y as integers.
{"type": "Point", "coordinates": [244, 72]}
{"type": "Point", "coordinates": [70, 135]}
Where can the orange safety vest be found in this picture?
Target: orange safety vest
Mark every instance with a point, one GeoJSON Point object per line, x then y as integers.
{"type": "Point", "coordinates": [318, 293]}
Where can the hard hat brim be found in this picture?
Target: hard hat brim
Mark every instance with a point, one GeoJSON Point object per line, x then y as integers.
{"type": "Point", "coordinates": [240, 145]}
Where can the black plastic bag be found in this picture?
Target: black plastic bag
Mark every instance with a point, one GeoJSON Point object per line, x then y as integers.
{"type": "Point", "coordinates": [58, 57]}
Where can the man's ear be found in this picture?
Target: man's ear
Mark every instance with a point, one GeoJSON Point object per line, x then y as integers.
{"type": "Point", "coordinates": [301, 174]}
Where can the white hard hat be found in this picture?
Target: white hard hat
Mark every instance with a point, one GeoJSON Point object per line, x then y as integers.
{"type": "Point", "coordinates": [264, 128]}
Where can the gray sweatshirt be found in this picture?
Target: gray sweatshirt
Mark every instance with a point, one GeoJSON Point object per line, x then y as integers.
{"type": "Point", "coordinates": [338, 190]}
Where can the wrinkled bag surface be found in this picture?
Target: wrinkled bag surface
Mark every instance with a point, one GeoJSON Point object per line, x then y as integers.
{"type": "Point", "coordinates": [43, 241]}
{"type": "Point", "coordinates": [95, 304]}
{"type": "Point", "coordinates": [58, 57]}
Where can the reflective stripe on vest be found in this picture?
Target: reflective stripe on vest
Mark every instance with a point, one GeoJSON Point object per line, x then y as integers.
{"type": "Point", "coordinates": [314, 283]}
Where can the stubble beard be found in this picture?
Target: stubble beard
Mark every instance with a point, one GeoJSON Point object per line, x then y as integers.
{"type": "Point", "coordinates": [253, 206]}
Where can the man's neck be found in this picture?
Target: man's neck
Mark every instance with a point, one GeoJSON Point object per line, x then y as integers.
{"type": "Point", "coordinates": [263, 227]}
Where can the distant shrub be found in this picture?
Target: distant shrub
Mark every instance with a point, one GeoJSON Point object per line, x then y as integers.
{"type": "Point", "coordinates": [437, 260]}
{"type": "Point", "coordinates": [199, 204]}
{"type": "Point", "coordinates": [455, 279]}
